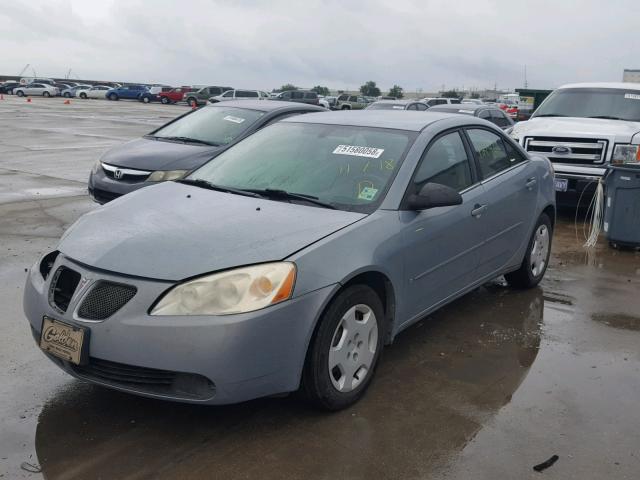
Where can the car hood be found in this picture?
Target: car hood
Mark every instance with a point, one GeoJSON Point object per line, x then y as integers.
{"type": "Point", "coordinates": [172, 231]}
{"type": "Point", "coordinates": [149, 154]}
{"type": "Point", "coordinates": [616, 130]}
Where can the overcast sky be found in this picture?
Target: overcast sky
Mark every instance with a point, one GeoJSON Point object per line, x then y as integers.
{"type": "Point", "coordinates": [421, 44]}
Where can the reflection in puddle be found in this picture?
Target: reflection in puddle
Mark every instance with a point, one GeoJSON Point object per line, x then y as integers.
{"type": "Point", "coordinates": [618, 320]}
{"type": "Point", "coordinates": [437, 385]}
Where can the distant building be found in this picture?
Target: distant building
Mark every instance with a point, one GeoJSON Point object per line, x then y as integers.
{"type": "Point", "coordinates": [632, 76]}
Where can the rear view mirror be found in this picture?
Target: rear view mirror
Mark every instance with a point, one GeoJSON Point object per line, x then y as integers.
{"type": "Point", "coordinates": [433, 195]}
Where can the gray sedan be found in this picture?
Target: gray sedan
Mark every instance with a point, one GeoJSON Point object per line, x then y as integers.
{"type": "Point", "coordinates": [293, 258]}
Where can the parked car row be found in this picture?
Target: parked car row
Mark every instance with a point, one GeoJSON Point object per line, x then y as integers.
{"type": "Point", "coordinates": [307, 238]}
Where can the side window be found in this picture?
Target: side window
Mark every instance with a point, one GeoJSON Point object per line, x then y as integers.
{"type": "Point", "coordinates": [455, 101]}
{"type": "Point", "coordinates": [441, 101]}
{"type": "Point", "coordinates": [420, 106]}
{"type": "Point", "coordinates": [353, 99]}
{"type": "Point", "coordinates": [228, 94]}
{"type": "Point", "coordinates": [413, 106]}
{"type": "Point", "coordinates": [485, 114]}
{"type": "Point", "coordinates": [446, 163]}
{"type": "Point", "coordinates": [494, 154]}
{"type": "Point", "coordinates": [343, 98]}
{"type": "Point", "coordinates": [499, 118]}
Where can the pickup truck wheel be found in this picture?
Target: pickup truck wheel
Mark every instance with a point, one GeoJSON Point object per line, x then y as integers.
{"type": "Point", "coordinates": [20, 93]}
{"type": "Point", "coordinates": [345, 349]}
{"type": "Point", "coordinates": [536, 259]}
{"type": "Point", "coordinates": [345, 107]}
{"type": "Point", "coordinates": [164, 100]}
{"type": "Point", "coordinates": [46, 94]}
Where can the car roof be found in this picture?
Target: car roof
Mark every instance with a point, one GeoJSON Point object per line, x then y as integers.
{"type": "Point", "coordinates": [397, 102]}
{"type": "Point", "coordinates": [454, 107]}
{"type": "Point", "coordinates": [618, 85]}
{"type": "Point", "coordinates": [267, 105]}
{"type": "Point", "coordinates": [398, 120]}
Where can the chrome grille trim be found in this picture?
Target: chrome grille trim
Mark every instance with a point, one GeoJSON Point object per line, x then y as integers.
{"type": "Point", "coordinates": [581, 151]}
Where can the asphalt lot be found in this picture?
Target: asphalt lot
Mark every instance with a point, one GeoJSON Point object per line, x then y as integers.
{"type": "Point", "coordinates": [489, 386]}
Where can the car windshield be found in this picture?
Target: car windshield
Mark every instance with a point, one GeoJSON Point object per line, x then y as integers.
{"type": "Point", "coordinates": [612, 103]}
{"type": "Point", "coordinates": [214, 125]}
{"type": "Point", "coordinates": [349, 168]}
{"type": "Point", "coordinates": [386, 106]}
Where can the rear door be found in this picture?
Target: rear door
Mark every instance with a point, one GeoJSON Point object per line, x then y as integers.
{"type": "Point", "coordinates": [509, 197]}
{"type": "Point", "coordinates": [442, 244]}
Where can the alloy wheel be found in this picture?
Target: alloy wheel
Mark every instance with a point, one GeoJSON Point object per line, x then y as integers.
{"type": "Point", "coordinates": [540, 250]}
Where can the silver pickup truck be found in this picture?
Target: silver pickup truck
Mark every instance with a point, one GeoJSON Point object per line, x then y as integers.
{"type": "Point", "coordinates": [582, 128]}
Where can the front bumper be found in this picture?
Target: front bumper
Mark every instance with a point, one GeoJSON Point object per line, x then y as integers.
{"type": "Point", "coordinates": [104, 189]}
{"type": "Point", "coordinates": [581, 184]}
{"type": "Point", "coordinates": [216, 359]}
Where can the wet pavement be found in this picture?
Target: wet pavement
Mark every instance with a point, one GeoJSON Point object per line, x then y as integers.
{"type": "Point", "coordinates": [487, 387]}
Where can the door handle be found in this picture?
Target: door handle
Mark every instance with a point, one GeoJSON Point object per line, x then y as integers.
{"type": "Point", "coordinates": [531, 182]}
{"type": "Point", "coordinates": [478, 210]}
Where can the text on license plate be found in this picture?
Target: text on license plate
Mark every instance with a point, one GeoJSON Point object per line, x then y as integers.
{"type": "Point", "coordinates": [561, 184]}
{"type": "Point", "coordinates": [63, 340]}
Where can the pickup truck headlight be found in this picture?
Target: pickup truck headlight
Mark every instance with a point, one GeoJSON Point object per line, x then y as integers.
{"type": "Point", "coordinates": [626, 154]}
{"type": "Point", "coordinates": [235, 291]}
{"type": "Point", "coordinates": [166, 175]}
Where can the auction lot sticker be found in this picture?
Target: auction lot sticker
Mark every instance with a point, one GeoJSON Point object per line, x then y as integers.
{"type": "Point", "coordinates": [632, 96]}
{"type": "Point", "coordinates": [231, 118]}
{"type": "Point", "coordinates": [355, 151]}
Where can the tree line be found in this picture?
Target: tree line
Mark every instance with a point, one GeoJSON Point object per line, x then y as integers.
{"type": "Point", "coordinates": [369, 89]}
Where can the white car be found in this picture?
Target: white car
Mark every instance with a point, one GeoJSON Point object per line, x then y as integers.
{"type": "Point", "coordinates": [240, 95]}
{"type": "Point", "coordinates": [97, 91]}
{"type": "Point", "coordinates": [583, 128]}
{"type": "Point", "coordinates": [37, 89]}
{"type": "Point", "coordinates": [432, 101]}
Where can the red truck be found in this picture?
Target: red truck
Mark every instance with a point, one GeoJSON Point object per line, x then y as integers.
{"type": "Point", "coordinates": [174, 95]}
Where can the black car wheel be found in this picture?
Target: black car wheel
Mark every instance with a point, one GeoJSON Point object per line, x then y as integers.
{"type": "Point", "coordinates": [345, 349]}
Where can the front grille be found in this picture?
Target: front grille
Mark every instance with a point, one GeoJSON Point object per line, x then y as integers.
{"type": "Point", "coordinates": [63, 286]}
{"type": "Point", "coordinates": [126, 175]}
{"type": "Point", "coordinates": [579, 151]}
{"type": "Point", "coordinates": [147, 380]}
{"type": "Point", "coordinates": [105, 299]}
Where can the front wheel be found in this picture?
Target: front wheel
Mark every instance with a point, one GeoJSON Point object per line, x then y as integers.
{"type": "Point", "coordinates": [345, 349]}
{"type": "Point", "coordinates": [164, 100]}
{"type": "Point", "coordinates": [113, 96]}
{"type": "Point", "coordinates": [66, 95]}
{"type": "Point", "coordinates": [146, 99]}
{"type": "Point", "coordinates": [20, 93]}
{"type": "Point", "coordinates": [192, 102]}
{"type": "Point", "coordinates": [536, 259]}
{"type": "Point", "coordinates": [345, 107]}
{"type": "Point", "coordinates": [46, 94]}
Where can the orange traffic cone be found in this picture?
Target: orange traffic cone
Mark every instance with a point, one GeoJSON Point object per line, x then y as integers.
{"type": "Point", "coordinates": [1, 97]}
{"type": "Point", "coordinates": [28, 99]}
{"type": "Point", "coordinates": [67, 102]}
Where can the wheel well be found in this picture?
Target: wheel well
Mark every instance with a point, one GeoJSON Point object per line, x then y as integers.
{"type": "Point", "coordinates": [551, 213]}
{"type": "Point", "coordinates": [384, 288]}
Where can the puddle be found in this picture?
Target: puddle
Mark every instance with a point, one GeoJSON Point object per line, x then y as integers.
{"type": "Point", "coordinates": [618, 320]}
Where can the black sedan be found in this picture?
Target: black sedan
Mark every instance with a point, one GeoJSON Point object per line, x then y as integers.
{"type": "Point", "coordinates": [487, 112]}
{"type": "Point", "coordinates": [7, 87]}
{"type": "Point", "coordinates": [185, 143]}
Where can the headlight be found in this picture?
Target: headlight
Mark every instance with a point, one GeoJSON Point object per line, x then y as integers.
{"type": "Point", "coordinates": [96, 167]}
{"type": "Point", "coordinates": [235, 291]}
{"type": "Point", "coordinates": [166, 175]}
{"type": "Point", "coordinates": [626, 154]}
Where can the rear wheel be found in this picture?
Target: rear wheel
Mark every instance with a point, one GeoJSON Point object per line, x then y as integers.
{"type": "Point", "coordinates": [113, 96]}
{"type": "Point", "coordinates": [164, 100]}
{"type": "Point", "coordinates": [345, 349]}
{"type": "Point", "coordinates": [66, 95]}
{"type": "Point", "coordinates": [345, 107]}
{"type": "Point", "coordinates": [83, 95]}
{"type": "Point", "coordinates": [146, 99]}
{"type": "Point", "coordinates": [536, 259]}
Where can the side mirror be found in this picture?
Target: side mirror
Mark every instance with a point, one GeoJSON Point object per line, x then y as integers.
{"type": "Point", "coordinates": [434, 195]}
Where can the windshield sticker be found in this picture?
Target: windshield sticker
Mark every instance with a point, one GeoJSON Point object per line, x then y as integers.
{"type": "Point", "coordinates": [398, 107]}
{"type": "Point", "coordinates": [632, 96]}
{"type": "Point", "coordinates": [230, 118]}
{"type": "Point", "coordinates": [367, 193]}
{"type": "Point", "coordinates": [356, 151]}
{"type": "Point", "coordinates": [467, 111]}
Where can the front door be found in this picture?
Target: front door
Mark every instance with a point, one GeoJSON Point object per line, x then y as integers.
{"type": "Point", "coordinates": [442, 244]}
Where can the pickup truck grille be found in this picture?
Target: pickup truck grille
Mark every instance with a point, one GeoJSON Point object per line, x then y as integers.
{"type": "Point", "coordinates": [580, 151]}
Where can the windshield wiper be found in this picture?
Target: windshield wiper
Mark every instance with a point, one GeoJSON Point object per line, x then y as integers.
{"type": "Point", "coordinates": [551, 115]}
{"type": "Point", "coordinates": [189, 140]}
{"type": "Point", "coordinates": [199, 182]}
{"type": "Point", "coordinates": [276, 193]}
{"type": "Point", "coordinates": [607, 117]}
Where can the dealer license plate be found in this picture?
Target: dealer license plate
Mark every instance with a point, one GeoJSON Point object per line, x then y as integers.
{"type": "Point", "coordinates": [64, 341]}
{"type": "Point", "coordinates": [561, 184]}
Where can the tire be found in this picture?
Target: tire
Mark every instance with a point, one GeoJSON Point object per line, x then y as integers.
{"type": "Point", "coordinates": [192, 102]}
{"type": "Point", "coordinates": [113, 97]}
{"type": "Point", "coordinates": [46, 94]}
{"type": "Point", "coordinates": [164, 100]}
{"type": "Point", "coordinates": [83, 95]}
{"type": "Point", "coordinates": [20, 93]}
{"type": "Point", "coordinates": [66, 95]}
{"type": "Point", "coordinates": [145, 99]}
{"type": "Point", "coordinates": [341, 340]}
{"type": "Point", "coordinates": [345, 107]}
{"type": "Point", "coordinates": [536, 260]}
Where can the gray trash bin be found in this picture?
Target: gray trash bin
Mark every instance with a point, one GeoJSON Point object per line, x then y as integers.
{"type": "Point", "coordinates": [622, 206]}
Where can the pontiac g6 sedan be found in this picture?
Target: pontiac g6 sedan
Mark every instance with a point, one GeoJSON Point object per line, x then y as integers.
{"type": "Point", "coordinates": [293, 258]}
